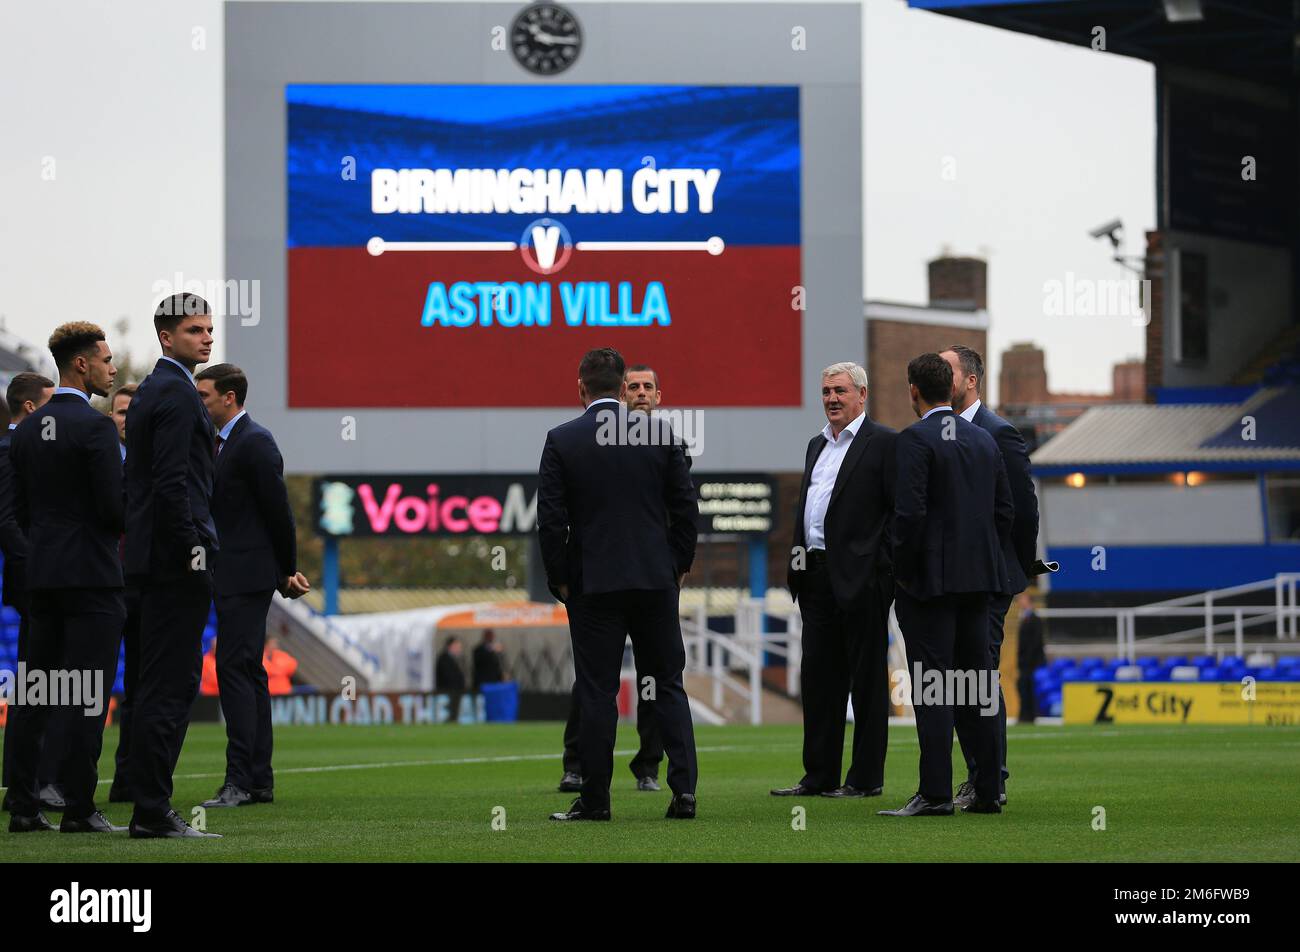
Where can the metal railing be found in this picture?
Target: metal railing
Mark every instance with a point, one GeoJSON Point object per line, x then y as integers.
{"type": "Point", "coordinates": [734, 662]}
{"type": "Point", "coordinates": [1283, 612]}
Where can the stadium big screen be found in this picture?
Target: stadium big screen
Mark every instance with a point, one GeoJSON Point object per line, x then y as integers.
{"type": "Point", "coordinates": [518, 226]}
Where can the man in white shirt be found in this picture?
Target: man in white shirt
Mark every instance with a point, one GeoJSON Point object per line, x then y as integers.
{"type": "Point", "coordinates": [841, 576]}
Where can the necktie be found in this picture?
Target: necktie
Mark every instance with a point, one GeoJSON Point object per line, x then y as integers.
{"type": "Point", "coordinates": [217, 449]}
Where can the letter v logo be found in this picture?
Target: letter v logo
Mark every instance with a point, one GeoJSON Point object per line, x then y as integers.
{"type": "Point", "coordinates": [546, 241]}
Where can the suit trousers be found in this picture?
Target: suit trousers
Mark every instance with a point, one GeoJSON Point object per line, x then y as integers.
{"type": "Point", "coordinates": [172, 615]}
{"type": "Point", "coordinates": [845, 653]}
{"type": "Point", "coordinates": [599, 626]}
{"type": "Point", "coordinates": [241, 677]}
{"type": "Point", "coordinates": [74, 632]}
{"type": "Point", "coordinates": [648, 756]}
{"type": "Point", "coordinates": [947, 635]}
{"type": "Point", "coordinates": [998, 606]}
{"type": "Point", "coordinates": [130, 686]}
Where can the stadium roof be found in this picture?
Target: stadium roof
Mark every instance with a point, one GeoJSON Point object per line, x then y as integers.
{"type": "Point", "coordinates": [1263, 432]}
{"type": "Point", "coordinates": [1249, 39]}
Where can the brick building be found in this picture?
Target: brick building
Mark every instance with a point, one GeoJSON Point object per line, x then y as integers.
{"type": "Point", "coordinates": [957, 313]}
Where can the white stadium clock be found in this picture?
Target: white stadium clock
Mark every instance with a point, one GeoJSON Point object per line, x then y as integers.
{"type": "Point", "coordinates": [545, 38]}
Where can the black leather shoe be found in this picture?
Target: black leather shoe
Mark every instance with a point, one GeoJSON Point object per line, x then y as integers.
{"type": "Point", "coordinates": [982, 806]}
{"type": "Point", "coordinates": [230, 796]}
{"type": "Point", "coordinates": [262, 794]}
{"type": "Point", "coordinates": [920, 806]}
{"type": "Point", "coordinates": [570, 783]}
{"type": "Point", "coordinates": [172, 826]}
{"type": "Point", "coordinates": [29, 824]}
{"type": "Point", "coordinates": [965, 794]}
{"type": "Point", "coordinates": [119, 794]}
{"type": "Point", "coordinates": [579, 811]}
{"type": "Point", "coordinates": [681, 807]}
{"type": "Point", "coordinates": [52, 798]}
{"type": "Point", "coordinates": [95, 823]}
{"type": "Point", "coordinates": [798, 790]}
{"type": "Point", "coordinates": [647, 784]}
{"type": "Point", "coordinates": [849, 791]}
{"type": "Point", "coordinates": [7, 806]}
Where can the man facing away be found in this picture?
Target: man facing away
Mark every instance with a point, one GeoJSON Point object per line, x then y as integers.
{"type": "Point", "coordinates": [603, 493]}
{"type": "Point", "coordinates": [170, 543]}
{"type": "Point", "coordinates": [258, 557]}
{"type": "Point", "coordinates": [841, 577]}
{"type": "Point", "coordinates": [27, 393]}
{"type": "Point", "coordinates": [1020, 549]}
{"type": "Point", "coordinates": [952, 514]}
{"type": "Point", "coordinates": [68, 501]}
{"type": "Point", "coordinates": [644, 396]}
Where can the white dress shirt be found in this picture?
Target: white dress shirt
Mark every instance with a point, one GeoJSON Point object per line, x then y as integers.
{"type": "Point", "coordinates": [927, 413]}
{"type": "Point", "coordinates": [822, 482]}
{"type": "Point", "coordinates": [969, 413]}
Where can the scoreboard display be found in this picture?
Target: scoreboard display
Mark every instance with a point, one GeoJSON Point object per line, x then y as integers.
{"type": "Point", "coordinates": [502, 231]}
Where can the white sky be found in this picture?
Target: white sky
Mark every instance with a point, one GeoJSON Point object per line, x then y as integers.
{"type": "Point", "coordinates": [1048, 142]}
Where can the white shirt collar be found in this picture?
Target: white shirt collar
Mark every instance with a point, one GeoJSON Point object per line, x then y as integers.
{"type": "Point", "coordinates": [969, 413]}
{"type": "Point", "coordinates": [13, 426]}
{"type": "Point", "coordinates": [81, 393]}
{"type": "Point", "coordinates": [224, 432]}
{"type": "Point", "coordinates": [189, 373]}
{"type": "Point", "coordinates": [937, 410]}
{"type": "Point", "coordinates": [602, 400]}
{"type": "Point", "coordinates": [851, 429]}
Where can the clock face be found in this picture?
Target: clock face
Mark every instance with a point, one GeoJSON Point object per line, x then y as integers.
{"type": "Point", "coordinates": [545, 38]}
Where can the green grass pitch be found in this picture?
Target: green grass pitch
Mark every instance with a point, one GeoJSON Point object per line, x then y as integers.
{"type": "Point", "coordinates": [360, 794]}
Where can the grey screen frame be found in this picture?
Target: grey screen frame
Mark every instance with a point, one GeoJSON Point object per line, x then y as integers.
{"type": "Point", "coordinates": [269, 45]}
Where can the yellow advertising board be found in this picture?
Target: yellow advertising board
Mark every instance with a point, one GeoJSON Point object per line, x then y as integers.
{"type": "Point", "coordinates": [1262, 703]}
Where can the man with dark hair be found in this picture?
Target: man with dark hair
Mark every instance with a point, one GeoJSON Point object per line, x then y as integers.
{"type": "Point", "coordinates": [68, 501]}
{"type": "Point", "coordinates": [259, 553]}
{"type": "Point", "coordinates": [1020, 549]}
{"type": "Point", "coordinates": [170, 542]}
{"type": "Point", "coordinates": [952, 514]}
{"type": "Point", "coordinates": [597, 500]}
{"type": "Point", "coordinates": [643, 395]}
{"type": "Point", "coordinates": [27, 393]}
{"type": "Point", "coordinates": [120, 791]}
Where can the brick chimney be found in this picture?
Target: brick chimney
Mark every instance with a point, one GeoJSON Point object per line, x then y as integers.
{"type": "Point", "coordinates": [1023, 379]}
{"type": "Point", "coordinates": [960, 283]}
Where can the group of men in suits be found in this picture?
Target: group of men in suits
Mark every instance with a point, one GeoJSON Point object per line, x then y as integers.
{"type": "Point", "coordinates": [940, 521]}
{"type": "Point", "coordinates": [117, 529]}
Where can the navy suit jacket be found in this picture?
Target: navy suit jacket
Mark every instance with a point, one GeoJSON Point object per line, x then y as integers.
{"type": "Point", "coordinates": [169, 471]}
{"type": "Point", "coordinates": [68, 495]}
{"type": "Point", "coordinates": [1022, 549]}
{"type": "Point", "coordinates": [250, 506]}
{"type": "Point", "coordinates": [953, 513]}
{"type": "Point", "coordinates": [858, 517]}
{"type": "Point", "coordinates": [615, 514]}
{"type": "Point", "coordinates": [12, 541]}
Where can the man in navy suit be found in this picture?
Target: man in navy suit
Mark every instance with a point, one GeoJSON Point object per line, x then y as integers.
{"type": "Point", "coordinates": [259, 552]}
{"type": "Point", "coordinates": [613, 483]}
{"type": "Point", "coordinates": [170, 544]}
{"type": "Point", "coordinates": [27, 393]}
{"type": "Point", "coordinates": [952, 514]}
{"type": "Point", "coordinates": [120, 792]}
{"type": "Point", "coordinates": [68, 502]}
{"type": "Point", "coordinates": [1020, 549]}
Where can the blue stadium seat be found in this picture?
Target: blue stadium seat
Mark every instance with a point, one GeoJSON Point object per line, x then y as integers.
{"type": "Point", "coordinates": [1059, 664]}
{"type": "Point", "coordinates": [1099, 674]}
{"type": "Point", "coordinates": [1205, 661]}
{"type": "Point", "coordinates": [1089, 663]}
{"type": "Point", "coordinates": [1176, 662]}
{"type": "Point", "coordinates": [1210, 674]}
